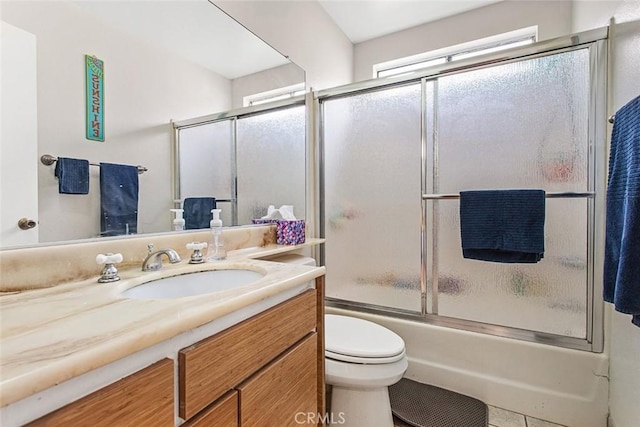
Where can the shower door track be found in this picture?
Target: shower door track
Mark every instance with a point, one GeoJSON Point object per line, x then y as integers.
{"type": "Point", "coordinates": [462, 324]}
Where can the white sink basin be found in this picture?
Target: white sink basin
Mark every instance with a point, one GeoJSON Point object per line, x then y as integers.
{"type": "Point", "coordinates": [190, 284]}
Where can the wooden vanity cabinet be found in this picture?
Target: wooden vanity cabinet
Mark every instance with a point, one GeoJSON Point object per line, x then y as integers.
{"type": "Point", "coordinates": [222, 413]}
{"type": "Point", "coordinates": [284, 392]}
{"type": "Point", "coordinates": [274, 396]}
{"type": "Point", "coordinates": [260, 372]}
{"type": "Point", "coordinates": [271, 359]}
{"type": "Point", "coordinates": [142, 398]}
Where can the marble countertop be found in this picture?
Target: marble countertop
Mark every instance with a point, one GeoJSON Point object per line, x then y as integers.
{"type": "Point", "coordinates": [50, 335]}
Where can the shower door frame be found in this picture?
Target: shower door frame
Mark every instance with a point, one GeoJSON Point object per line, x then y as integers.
{"type": "Point", "coordinates": [596, 42]}
{"type": "Point", "coordinates": [233, 116]}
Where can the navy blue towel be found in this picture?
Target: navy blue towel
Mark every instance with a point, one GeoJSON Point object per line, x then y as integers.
{"type": "Point", "coordinates": [73, 175]}
{"type": "Point", "coordinates": [197, 212]}
{"type": "Point", "coordinates": [503, 225]}
{"type": "Point", "coordinates": [622, 241]}
{"type": "Point", "coordinates": [118, 199]}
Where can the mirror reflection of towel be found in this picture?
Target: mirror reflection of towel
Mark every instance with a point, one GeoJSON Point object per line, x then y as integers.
{"type": "Point", "coordinates": [73, 175]}
{"type": "Point", "coordinates": [503, 225]}
{"type": "Point", "coordinates": [118, 199]}
{"type": "Point", "coordinates": [197, 212]}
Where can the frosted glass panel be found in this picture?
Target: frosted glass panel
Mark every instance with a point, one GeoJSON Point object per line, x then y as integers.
{"type": "Point", "coordinates": [372, 149]}
{"type": "Point", "coordinates": [520, 125]}
{"type": "Point", "coordinates": [206, 160]}
{"type": "Point", "coordinates": [549, 296]}
{"type": "Point", "coordinates": [271, 162]}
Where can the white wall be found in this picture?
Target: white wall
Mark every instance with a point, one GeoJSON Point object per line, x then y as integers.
{"type": "Point", "coordinates": [145, 87]}
{"type": "Point", "coordinates": [274, 78]}
{"type": "Point", "coordinates": [624, 85]}
{"type": "Point", "coordinates": [587, 15]}
{"type": "Point", "coordinates": [302, 31]}
{"type": "Point", "coordinates": [553, 19]}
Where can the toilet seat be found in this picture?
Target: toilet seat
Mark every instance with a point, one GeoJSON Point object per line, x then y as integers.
{"type": "Point", "coordinates": [363, 360]}
{"type": "Point", "coordinates": [352, 340]}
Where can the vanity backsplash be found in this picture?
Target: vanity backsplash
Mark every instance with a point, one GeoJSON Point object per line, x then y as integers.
{"type": "Point", "coordinates": [46, 266]}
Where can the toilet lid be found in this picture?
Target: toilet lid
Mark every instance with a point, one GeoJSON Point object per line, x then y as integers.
{"type": "Point", "coordinates": [359, 341]}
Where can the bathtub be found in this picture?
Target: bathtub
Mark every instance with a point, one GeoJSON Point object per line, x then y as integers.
{"type": "Point", "coordinates": [568, 387]}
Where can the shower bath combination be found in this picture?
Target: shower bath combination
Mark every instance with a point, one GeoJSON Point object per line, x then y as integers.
{"type": "Point", "coordinates": [531, 118]}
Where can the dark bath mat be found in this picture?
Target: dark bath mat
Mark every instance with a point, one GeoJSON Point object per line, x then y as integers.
{"type": "Point", "coordinates": [423, 405]}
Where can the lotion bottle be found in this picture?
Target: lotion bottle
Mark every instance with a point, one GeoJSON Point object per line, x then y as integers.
{"type": "Point", "coordinates": [216, 251]}
{"type": "Point", "coordinates": [178, 221]}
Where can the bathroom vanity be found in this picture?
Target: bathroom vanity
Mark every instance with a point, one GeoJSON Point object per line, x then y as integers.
{"type": "Point", "coordinates": [251, 356]}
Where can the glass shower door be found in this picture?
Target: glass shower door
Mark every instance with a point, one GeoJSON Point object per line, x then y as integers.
{"type": "Point", "coordinates": [520, 125]}
{"type": "Point", "coordinates": [372, 163]}
{"type": "Point", "coordinates": [396, 155]}
{"type": "Point", "coordinates": [271, 162]}
{"type": "Point", "coordinates": [206, 165]}
{"type": "Point", "coordinates": [247, 161]}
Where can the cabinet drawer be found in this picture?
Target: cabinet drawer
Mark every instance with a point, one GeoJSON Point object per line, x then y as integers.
{"type": "Point", "coordinates": [143, 398]}
{"type": "Point", "coordinates": [215, 365]}
{"type": "Point", "coordinates": [223, 413]}
{"type": "Point", "coordinates": [284, 392]}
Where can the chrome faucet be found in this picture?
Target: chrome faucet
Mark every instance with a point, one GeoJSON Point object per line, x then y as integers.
{"type": "Point", "coordinates": [153, 261]}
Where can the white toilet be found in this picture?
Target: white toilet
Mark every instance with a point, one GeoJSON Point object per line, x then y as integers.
{"type": "Point", "coordinates": [362, 359]}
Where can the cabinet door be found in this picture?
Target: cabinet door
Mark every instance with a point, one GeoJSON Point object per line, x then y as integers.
{"type": "Point", "coordinates": [212, 367]}
{"type": "Point", "coordinates": [223, 413]}
{"type": "Point", "coordinates": [285, 391]}
{"type": "Point", "coordinates": [141, 399]}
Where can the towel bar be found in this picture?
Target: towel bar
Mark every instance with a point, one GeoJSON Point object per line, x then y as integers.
{"type": "Point", "coordinates": [589, 194]}
{"type": "Point", "coordinates": [48, 159]}
{"type": "Point", "coordinates": [179, 201]}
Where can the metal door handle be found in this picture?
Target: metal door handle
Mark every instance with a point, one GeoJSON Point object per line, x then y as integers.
{"type": "Point", "coordinates": [26, 224]}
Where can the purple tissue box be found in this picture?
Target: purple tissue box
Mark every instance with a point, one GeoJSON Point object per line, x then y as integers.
{"type": "Point", "coordinates": [288, 232]}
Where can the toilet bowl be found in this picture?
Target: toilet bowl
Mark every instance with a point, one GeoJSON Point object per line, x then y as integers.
{"type": "Point", "coordinates": [362, 359]}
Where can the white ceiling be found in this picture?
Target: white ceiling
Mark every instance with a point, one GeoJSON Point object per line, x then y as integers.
{"type": "Point", "coordinates": [200, 32]}
{"type": "Point", "coordinates": [362, 20]}
{"type": "Point", "coordinates": [193, 29]}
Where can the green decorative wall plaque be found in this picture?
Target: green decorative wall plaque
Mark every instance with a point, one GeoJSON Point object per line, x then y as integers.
{"type": "Point", "coordinates": [95, 98]}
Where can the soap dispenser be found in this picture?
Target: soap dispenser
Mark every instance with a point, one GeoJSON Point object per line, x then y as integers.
{"type": "Point", "coordinates": [178, 221]}
{"type": "Point", "coordinates": [216, 251]}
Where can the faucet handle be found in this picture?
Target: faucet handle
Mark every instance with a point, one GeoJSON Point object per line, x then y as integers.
{"type": "Point", "coordinates": [109, 258]}
{"type": "Point", "coordinates": [196, 245]}
{"type": "Point", "coordinates": [196, 256]}
{"type": "Point", "coordinates": [109, 272]}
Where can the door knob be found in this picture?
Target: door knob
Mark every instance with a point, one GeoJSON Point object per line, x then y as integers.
{"type": "Point", "coordinates": [26, 224]}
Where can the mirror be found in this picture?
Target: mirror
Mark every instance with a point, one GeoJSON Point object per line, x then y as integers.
{"type": "Point", "coordinates": [249, 161]}
{"type": "Point", "coordinates": [163, 61]}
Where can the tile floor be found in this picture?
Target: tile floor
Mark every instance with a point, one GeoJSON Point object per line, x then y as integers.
{"type": "Point", "coordinates": [499, 417]}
